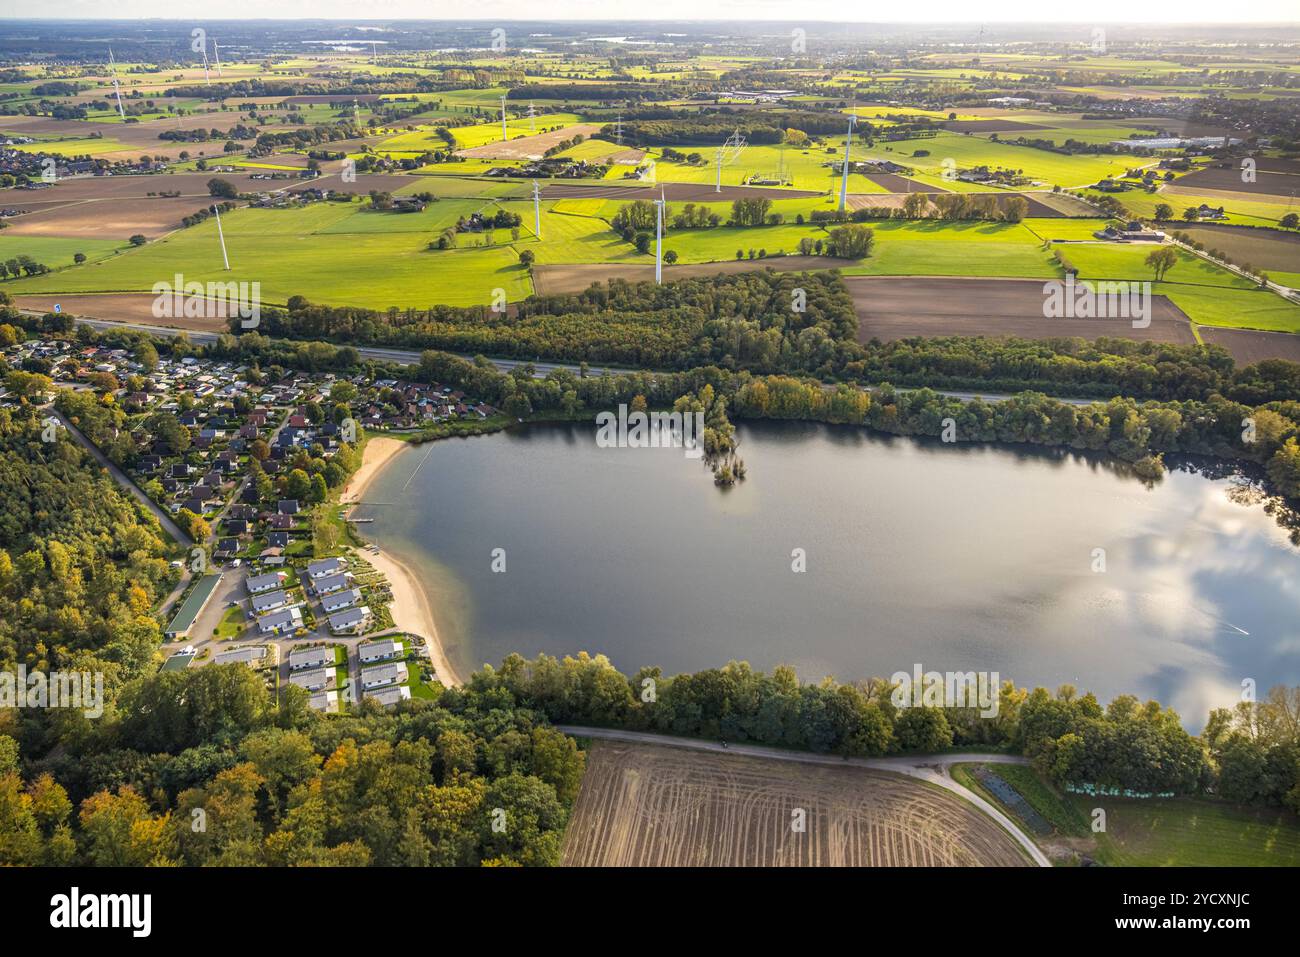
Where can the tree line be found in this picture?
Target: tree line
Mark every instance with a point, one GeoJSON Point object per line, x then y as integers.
{"type": "Point", "coordinates": [1069, 736]}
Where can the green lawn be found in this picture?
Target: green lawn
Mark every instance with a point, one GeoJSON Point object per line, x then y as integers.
{"type": "Point", "coordinates": [232, 623]}
{"type": "Point", "coordinates": [1188, 832]}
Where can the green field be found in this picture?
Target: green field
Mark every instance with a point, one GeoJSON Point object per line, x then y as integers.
{"type": "Point", "coordinates": [1188, 832]}
{"type": "Point", "coordinates": [56, 251]}
{"type": "Point", "coordinates": [1057, 169]}
{"type": "Point", "coordinates": [929, 248]}
{"type": "Point", "coordinates": [290, 253]}
{"type": "Point", "coordinates": [86, 146]}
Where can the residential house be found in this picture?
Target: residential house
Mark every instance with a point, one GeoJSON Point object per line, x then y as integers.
{"type": "Point", "coordinates": [280, 622]}
{"type": "Point", "coordinates": [257, 584]}
{"type": "Point", "coordinates": [332, 583]}
{"type": "Point", "coordinates": [252, 655]}
{"type": "Point", "coordinates": [341, 600]}
{"type": "Point", "coordinates": [383, 676]}
{"type": "Point", "coordinates": [390, 696]}
{"type": "Point", "coordinates": [326, 566]}
{"type": "Point", "coordinates": [383, 649]}
{"type": "Point", "coordinates": [315, 656]}
{"type": "Point", "coordinates": [313, 679]}
{"type": "Point", "coordinates": [351, 621]}
{"type": "Point", "coordinates": [269, 601]}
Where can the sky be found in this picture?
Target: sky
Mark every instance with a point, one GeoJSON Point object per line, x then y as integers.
{"type": "Point", "coordinates": [932, 11]}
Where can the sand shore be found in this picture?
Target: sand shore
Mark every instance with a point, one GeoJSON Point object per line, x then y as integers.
{"type": "Point", "coordinates": [379, 450]}
{"type": "Point", "coordinates": [411, 608]}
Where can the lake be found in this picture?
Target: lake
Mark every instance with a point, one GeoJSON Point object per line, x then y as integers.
{"type": "Point", "coordinates": [953, 557]}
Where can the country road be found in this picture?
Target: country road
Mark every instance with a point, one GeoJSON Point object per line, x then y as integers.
{"type": "Point", "coordinates": [931, 768]}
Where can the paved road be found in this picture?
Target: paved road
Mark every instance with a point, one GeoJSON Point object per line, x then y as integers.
{"type": "Point", "coordinates": [541, 369]}
{"type": "Point", "coordinates": [403, 356]}
{"type": "Point", "coordinates": [931, 768]}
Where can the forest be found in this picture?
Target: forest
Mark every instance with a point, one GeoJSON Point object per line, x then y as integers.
{"type": "Point", "coordinates": [205, 766]}
{"type": "Point", "coordinates": [1250, 754]}
{"type": "Point", "coordinates": [744, 322]}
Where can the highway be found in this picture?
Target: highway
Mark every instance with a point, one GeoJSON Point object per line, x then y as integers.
{"type": "Point", "coordinates": [541, 369]}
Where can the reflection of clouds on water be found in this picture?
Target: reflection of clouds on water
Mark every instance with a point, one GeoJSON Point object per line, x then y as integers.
{"type": "Point", "coordinates": [966, 558]}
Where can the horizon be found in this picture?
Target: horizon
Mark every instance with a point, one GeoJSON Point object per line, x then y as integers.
{"type": "Point", "coordinates": [1108, 12]}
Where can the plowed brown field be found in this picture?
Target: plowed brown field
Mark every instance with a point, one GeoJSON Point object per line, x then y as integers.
{"type": "Point", "coordinates": [649, 806]}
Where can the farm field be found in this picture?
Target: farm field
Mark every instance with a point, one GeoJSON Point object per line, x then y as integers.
{"type": "Point", "coordinates": [1055, 169]}
{"type": "Point", "coordinates": [642, 805]}
{"type": "Point", "coordinates": [291, 255]}
{"type": "Point", "coordinates": [55, 251]}
{"type": "Point", "coordinates": [552, 279]}
{"type": "Point", "coordinates": [1271, 250]}
{"type": "Point", "coordinates": [893, 308]}
{"type": "Point", "coordinates": [930, 248]}
{"type": "Point", "coordinates": [1238, 209]}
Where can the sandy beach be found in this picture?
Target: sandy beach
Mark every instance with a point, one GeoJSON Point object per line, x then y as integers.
{"type": "Point", "coordinates": [379, 450]}
{"type": "Point", "coordinates": [411, 608]}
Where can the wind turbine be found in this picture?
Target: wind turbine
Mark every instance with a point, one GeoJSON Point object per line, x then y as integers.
{"type": "Point", "coordinates": [221, 236]}
{"type": "Point", "coordinates": [537, 209]}
{"type": "Point", "coordinates": [848, 143]}
{"type": "Point", "coordinates": [659, 237]}
{"type": "Point", "coordinates": [504, 136]}
{"type": "Point", "coordinates": [216, 52]}
{"type": "Point", "coordinates": [207, 79]}
{"type": "Point", "coordinates": [112, 69]}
